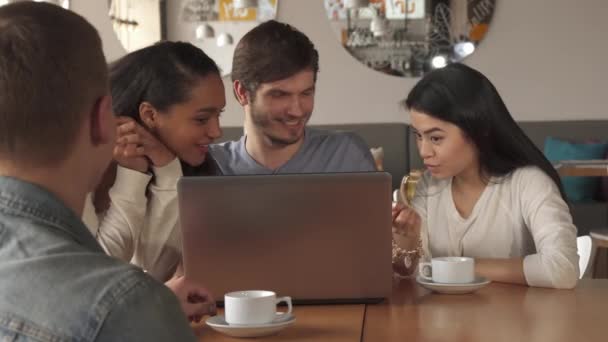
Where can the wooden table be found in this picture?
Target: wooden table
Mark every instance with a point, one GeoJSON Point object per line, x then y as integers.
{"type": "Point", "coordinates": [598, 168]}
{"type": "Point", "coordinates": [498, 312]}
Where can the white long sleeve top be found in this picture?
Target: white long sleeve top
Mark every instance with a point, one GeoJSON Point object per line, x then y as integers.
{"type": "Point", "coordinates": [141, 225]}
{"type": "Point", "coordinates": [520, 215]}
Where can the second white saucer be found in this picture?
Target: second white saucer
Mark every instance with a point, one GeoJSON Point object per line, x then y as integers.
{"type": "Point", "coordinates": [453, 288]}
{"type": "Point", "coordinates": [219, 323]}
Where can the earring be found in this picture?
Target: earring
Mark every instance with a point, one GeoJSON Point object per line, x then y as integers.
{"type": "Point", "coordinates": [149, 123]}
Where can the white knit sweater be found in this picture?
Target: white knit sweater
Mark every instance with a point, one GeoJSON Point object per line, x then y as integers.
{"type": "Point", "coordinates": [522, 215]}
{"type": "Point", "coordinates": [139, 228]}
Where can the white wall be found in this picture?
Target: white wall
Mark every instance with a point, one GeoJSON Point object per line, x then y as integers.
{"type": "Point", "coordinates": [96, 12]}
{"type": "Point", "coordinates": [183, 31]}
{"type": "Point", "coordinates": [146, 13]}
{"type": "Point", "coordinates": [546, 57]}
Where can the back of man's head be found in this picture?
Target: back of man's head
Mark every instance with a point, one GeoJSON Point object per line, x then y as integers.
{"type": "Point", "coordinates": [270, 52]}
{"type": "Point", "coordinates": [52, 71]}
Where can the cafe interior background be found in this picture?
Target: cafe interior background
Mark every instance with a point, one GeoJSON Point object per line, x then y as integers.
{"type": "Point", "coordinates": [546, 57]}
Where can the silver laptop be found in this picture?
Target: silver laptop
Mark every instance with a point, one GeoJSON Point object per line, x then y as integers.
{"type": "Point", "coordinates": [322, 238]}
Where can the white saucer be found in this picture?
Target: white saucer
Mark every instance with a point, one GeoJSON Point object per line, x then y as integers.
{"type": "Point", "coordinates": [218, 323]}
{"type": "Point", "coordinates": [453, 288]}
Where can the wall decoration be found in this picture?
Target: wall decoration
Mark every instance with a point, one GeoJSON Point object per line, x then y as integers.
{"type": "Point", "coordinates": [410, 37]}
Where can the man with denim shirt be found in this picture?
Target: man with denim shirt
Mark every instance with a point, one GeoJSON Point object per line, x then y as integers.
{"type": "Point", "coordinates": [57, 132]}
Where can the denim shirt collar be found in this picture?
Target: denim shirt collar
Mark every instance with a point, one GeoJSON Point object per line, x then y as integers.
{"type": "Point", "coordinates": [29, 200]}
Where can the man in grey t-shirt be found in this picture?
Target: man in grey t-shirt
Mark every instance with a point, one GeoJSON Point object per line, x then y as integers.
{"type": "Point", "coordinates": [274, 71]}
{"type": "Point", "coordinates": [320, 151]}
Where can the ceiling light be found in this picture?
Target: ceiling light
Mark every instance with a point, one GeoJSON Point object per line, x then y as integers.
{"type": "Point", "coordinates": [204, 31]}
{"type": "Point", "coordinates": [224, 39]}
{"type": "Point", "coordinates": [439, 62]}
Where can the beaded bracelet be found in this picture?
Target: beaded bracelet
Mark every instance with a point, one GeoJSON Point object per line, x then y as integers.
{"type": "Point", "coordinates": [404, 261]}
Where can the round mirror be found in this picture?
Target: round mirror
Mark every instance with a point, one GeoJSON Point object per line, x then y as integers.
{"type": "Point", "coordinates": [409, 37]}
{"type": "Point", "coordinates": [213, 25]}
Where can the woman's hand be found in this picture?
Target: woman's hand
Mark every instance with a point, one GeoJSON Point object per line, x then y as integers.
{"type": "Point", "coordinates": [134, 143]}
{"type": "Point", "coordinates": [406, 226]}
{"type": "Point", "coordinates": [130, 156]}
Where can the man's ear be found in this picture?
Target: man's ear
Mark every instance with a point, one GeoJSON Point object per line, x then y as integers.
{"type": "Point", "coordinates": [241, 93]}
{"type": "Point", "coordinates": [148, 115]}
{"type": "Point", "coordinates": [103, 124]}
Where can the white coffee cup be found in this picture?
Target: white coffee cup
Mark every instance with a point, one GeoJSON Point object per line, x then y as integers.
{"type": "Point", "coordinates": [253, 307]}
{"type": "Point", "coordinates": [449, 270]}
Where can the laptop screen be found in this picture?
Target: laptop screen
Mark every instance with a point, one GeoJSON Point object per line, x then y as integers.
{"type": "Point", "coordinates": [314, 237]}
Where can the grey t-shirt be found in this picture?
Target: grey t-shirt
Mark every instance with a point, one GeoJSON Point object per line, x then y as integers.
{"type": "Point", "coordinates": [322, 151]}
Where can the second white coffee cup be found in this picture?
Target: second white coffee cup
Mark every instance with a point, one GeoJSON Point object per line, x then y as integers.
{"type": "Point", "coordinates": [253, 307]}
{"type": "Point", "coordinates": [449, 270]}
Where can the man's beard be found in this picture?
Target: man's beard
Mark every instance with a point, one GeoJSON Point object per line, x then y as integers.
{"type": "Point", "coordinates": [261, 121]}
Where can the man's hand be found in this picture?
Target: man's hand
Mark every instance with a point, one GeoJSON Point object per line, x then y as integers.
{"type": "Point", "coordinates": [195, 300]}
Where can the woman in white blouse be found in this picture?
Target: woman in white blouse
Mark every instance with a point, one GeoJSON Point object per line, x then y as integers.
{"type": "Point", "coordinates": [487, 192]}
{"type": "Point", "coordinates": [169, 97]}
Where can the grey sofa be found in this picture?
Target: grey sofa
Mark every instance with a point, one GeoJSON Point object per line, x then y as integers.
{"type": "Point", "coordinates": [401, 155]}
{"type": "Point", "coordinates": [587, 215]}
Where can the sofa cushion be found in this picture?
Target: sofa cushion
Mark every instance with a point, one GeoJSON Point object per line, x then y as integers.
{"type": "Point", "coordinates": [577, 189]}
{"type": "Point", "coordinates": [378, 154]}
{"type": "Point", "coordinates": [589, 216]}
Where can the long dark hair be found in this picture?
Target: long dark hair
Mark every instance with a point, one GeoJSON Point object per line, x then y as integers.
{"type": "Point", "coordinates": [466, 98]}
{"type": "Point", "coordinates": [162, 74]}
